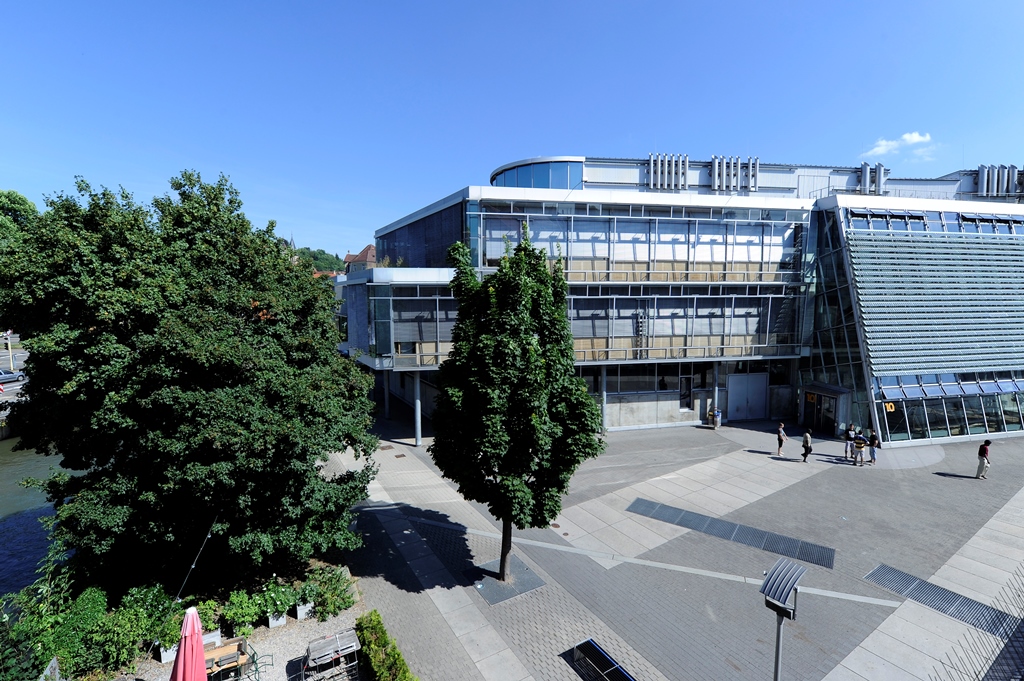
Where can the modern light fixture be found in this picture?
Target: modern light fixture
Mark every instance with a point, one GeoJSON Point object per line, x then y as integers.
{"type": "Point", "coordinates": [779, 583]}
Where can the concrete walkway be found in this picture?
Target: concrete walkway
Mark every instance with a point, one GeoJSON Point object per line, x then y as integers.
{"type": "Point", "coordinates": [652, 578]}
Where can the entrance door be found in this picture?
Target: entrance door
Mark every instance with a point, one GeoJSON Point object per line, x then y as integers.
{"type": "Point", "coordinates": [748, 397]}
{"type": "Point", "coordinates": [820, 413]}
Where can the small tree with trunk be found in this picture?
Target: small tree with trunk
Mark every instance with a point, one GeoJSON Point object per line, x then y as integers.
{"type": "Point", "coordinates": [512, 420]}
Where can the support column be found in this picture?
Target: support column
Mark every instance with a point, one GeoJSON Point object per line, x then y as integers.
{"type": "Point", "coordinates": [715, 422]}
{"type": "Point", "coordinates": [387, 394]}
{"type": "Point", "coordinates": [417, 410]}
{"type": "Point", "coordinates": [604, 398]}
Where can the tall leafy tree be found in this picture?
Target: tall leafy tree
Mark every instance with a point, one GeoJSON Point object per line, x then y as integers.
{"type": "Point", "coordinates": [512, 420]}
{"type": "Point", "coordinates": [186, 372]}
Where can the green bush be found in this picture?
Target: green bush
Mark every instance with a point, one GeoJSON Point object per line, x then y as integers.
{"type": "Point", "coordinates": [331, 590]}
{"type": "Point", "coordinates": [161, 614]}
{"type": "Point", "coordinates": [74, 638]}
{"type": "Point", "coordinates": [208, 614]}
{"type": "Point", "coordinates": [118, 637]}
{"type": "Point", "coordinates": [241, 611]}
{"type": "Point", "coordinates": [380, 651]}
{"type": "Point", "coordinates": [276, 597]}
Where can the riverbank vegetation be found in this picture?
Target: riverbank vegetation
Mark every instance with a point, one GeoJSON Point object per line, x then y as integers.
{"type": "Point", "coordinates": [185, 375]}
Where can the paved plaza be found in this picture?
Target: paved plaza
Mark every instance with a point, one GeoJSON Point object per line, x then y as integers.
{"type": "Point", "coordinates": [670, 602]}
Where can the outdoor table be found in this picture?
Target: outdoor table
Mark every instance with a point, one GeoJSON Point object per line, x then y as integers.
{"type": "Point", "coordinates": [216, 654]}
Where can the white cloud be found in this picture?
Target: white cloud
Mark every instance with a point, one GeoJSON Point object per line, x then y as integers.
{"type": "Point", "coordinates": [924, 153]}
{"type": "Point", "coordinates": [884, 147]}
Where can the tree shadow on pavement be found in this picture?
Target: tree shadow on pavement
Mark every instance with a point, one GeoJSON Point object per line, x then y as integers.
{"type": "Point", "coordinates": [410, 546]}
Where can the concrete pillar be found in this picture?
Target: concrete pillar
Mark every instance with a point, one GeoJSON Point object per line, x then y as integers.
{"type": "Point", "coordinates": [604, 398]}
{"type": "Point", "coordinates": [417, 409]}
{"type": "Point", "coordinates": [387, 395]}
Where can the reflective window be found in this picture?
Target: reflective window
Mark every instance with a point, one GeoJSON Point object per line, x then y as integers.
{"type": "Point", "coordinates": [896, 421]}
{"type": "Point", "coordinates": [575, 175]}
{"type": "Point", "coordinates": [1011, 411]}
{"type": "Point", "coordinates": [524, 176]}
{"type": "Point", "coordinates": [955, 416]}
{"type": "Point", "coordinates": [668, 376]}
{"type": "Point", "coordinates": [975, 415]}
{"type": "Point", "coordinates": [560, 175]}
{"type": "Point", "coordinates": [859, 222]}
{"type": "Point", "coordinates": [541, 175]}
{"type": "Point", "coordinates": [952, 221]}
{"type": "Point", "coordinates": [993, 413]}
{"type": "Point", "coordinates": [936, 414]}
{"type": "Point", "coordinates": [636, 378]}
{"type": "Point", "coordinates": [916, 419]}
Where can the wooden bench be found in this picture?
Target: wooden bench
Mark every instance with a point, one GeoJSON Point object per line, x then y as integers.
{"type": "Point", "coordinates": [595, 664]}
{"type": "Point", "coordinates": [333, 656]}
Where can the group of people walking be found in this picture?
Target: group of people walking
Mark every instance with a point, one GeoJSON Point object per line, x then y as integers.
{"type": "Point", "coordinates": [856, 442]}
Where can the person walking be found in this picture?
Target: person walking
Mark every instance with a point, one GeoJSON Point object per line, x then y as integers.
{"type": "Point", "coordinates": [859, 442]}
{"type": "Point", "coordinates": [807, 445]}
{"type": "Point", "coordinates": [874, 443]}
{"type": "Point", "coordinates": [782, 437]}
{"type": "Point", "coordinates": [851, 432]}
{"type": "Point", "coordinates": [983, 461]}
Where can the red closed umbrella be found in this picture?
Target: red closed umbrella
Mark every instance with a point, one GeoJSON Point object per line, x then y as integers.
{"type": "Point", "coordinates": [190, 664]}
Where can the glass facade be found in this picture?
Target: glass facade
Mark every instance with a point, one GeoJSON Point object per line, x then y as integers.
{"type": "Point", "coordinates": [552, 175]}
{"type": "Point", "coordinates": [411, 323]}
{"type": "Point", "coordinates": [934, 296]}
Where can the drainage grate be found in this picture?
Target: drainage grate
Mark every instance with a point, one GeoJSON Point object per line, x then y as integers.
{"type": "Point", "coordinates": [741, 534]}
{"type": "Point", "coordinates": [723, 529]}
{"type": "Point", "coordinates": [892, 579]}
{"type": "Point", "coordinates": [967, 610]}
{"type": "Point", "coordinates": [816, 554]}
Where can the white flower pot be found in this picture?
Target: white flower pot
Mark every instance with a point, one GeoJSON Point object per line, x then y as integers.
{"type": "Point", "coordinates": [212, 637]}
{"type": "Point", "coordinates": [303, 610]}
{"type": "Point", "coordinates": [276, 621]}
{"type": "Point", "coordinates": [166, 655]}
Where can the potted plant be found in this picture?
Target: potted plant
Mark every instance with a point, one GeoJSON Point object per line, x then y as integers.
{"type": "Point", "coordinates": [241, 611]}
{"type": "Point", "coordinates": [277, 599]}
{"type": "Point", "coordinates": [209, 617]}
{"type": "Point", "coordinates": [305, 598]}
{"type": "Point", "coordinates": [168, 637]}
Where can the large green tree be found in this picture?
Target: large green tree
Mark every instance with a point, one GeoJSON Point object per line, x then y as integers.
{"type": "Point", "coordinates": [512, 420]}
{"type": "Point", "coordinates": [186, 372]}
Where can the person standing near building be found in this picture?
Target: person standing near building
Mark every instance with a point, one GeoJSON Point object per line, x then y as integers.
{"type": "Point", "coordinates": [874, 444]}
{"type": "Point", "coordinates": [859, 442]}
{"type": "Point", "coordinates": [782, 437]}
{"type": "Point", "coordinates": [983, 461]}
{"type": "Point", "coordinates": [807, 445]}
{"type": "Point", "coordinates": [851, 432]}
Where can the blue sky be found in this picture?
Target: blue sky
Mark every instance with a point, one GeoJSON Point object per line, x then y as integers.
{"type": "Point", "coordinates": [337, 118]}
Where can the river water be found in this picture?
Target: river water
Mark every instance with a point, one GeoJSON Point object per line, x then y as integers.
{"type": "Point", "coordinates": [22, 539]}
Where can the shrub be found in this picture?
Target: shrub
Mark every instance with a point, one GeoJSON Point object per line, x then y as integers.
{"type": "Point", "coordinates": [118, 637]}
{"type": "Point", "coordinates": [74, 638]}
{"type": "Point", "coordinates": [331, 590]}
{"type": "Point", "coordinates": [380, 651]}
{"type": "Point", "coordinates": [241, 611]}
{"type": "Point", "coordinates": [159, 612]}
{"type": "Point", "coordinates": [277, 597]}
{"type": "Point", "coordinates": [208, 614]}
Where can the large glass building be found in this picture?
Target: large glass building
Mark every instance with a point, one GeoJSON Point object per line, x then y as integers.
{"type": "Point", "coordinates": [825, 295]}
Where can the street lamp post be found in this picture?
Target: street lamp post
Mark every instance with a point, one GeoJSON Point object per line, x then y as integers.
{"type": "Point", "coordinates": [779, 583]}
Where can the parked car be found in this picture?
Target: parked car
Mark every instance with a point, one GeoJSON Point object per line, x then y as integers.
{"type": "Point", "coordinates": [7, 376]}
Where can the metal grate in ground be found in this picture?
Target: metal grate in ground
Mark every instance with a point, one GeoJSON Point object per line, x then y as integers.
{"type": "Point", "coordinates": [967, 610]}
{"type": "Point", "coordinates": [742, 534]}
